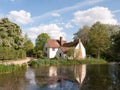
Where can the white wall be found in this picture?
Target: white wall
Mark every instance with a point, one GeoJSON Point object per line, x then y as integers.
{"type": "Point", "coordinates": [83, 50]}
{"type": "Point", "coordinates": [80, 45]}
{"type": "Point", "coordinates": [52, 53]}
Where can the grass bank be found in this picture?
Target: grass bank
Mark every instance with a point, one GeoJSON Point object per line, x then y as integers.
{"type": "Point", "coordinates": [11, 68]}
{"type": "Point", "coordinates": [47, 62]}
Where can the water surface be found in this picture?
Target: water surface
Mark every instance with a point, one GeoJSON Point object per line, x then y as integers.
{"type": "Point", "coordinates": [80, 77]}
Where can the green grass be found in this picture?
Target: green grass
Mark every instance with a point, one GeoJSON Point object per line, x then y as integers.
{"type": "Point", "coordinates": [47, 62]}
{"type": "Point", "coordinates": [11, 68]}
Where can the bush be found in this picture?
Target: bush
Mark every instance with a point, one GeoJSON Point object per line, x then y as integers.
{"type": "Point", "coordinates": [7, 53]}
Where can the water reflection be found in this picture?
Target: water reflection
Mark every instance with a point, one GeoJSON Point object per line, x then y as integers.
{"type": "Point", "coordinates": [30, 75]}
{"type": "Point", "coordinates": [97, 77]}
{"type": "Point", "coordinates": [80, 73]}
{"type": "Point", "coordinates": [52, 81]}
{"type": "Point", "coordinates": [12, 81]}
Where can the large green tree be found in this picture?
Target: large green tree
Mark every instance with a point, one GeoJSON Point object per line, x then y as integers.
{"type": "Point", "coordinates": [10, 34]}
{"type": "Point", "coordinates": [11, 40]}
{"type": "Point", "coordinates": [99, 39]}
{"type": "Point", "coordinates": [40, 42]}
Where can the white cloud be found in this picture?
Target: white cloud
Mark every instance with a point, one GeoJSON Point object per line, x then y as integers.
{"type": "Point", "coordinates": [56, 14]}
{"type": "Point", "coordinates": [21, 16]}
{"type": "Point", "coordinates": [53, 30]}
{"type": "Point", "coordinates": [92, 15]}
{"type": "Point", "coordinates": [68, 25]}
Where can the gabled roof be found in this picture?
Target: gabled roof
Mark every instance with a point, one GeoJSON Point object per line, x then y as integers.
{"type": "Point", "coordinates": [56, 44]}
{"type": "Point", "coordinates": [53, 43]}
{"type": "Point", "coordinates": [70, 44]}
{"type": "Point", "coordinates": [66, 46]}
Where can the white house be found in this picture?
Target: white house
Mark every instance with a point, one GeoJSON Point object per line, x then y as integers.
{"type": "Point", "coordinates": [60, 47]}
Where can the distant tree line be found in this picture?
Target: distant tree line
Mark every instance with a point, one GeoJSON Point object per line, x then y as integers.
{"type": "Point", "coordinates": [101, 40]}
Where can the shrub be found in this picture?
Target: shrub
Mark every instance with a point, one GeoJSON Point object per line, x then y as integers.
{"type": "Point", "coordinates": [7, 53]}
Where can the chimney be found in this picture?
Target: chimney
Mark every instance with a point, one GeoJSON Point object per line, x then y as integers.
{"type": "Point", "coordinates": [79, 40]}
{"type": "Point", "coordinates": [61, 41]}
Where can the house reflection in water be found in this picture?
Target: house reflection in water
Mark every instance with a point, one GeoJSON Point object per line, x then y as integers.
{"type": "Point", "coordinates": [52, 82]}
{"type": "Point", "coordinates": [80, 73]}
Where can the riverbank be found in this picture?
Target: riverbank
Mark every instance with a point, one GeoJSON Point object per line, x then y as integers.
{"type": "Point", "coordinates": [11, 68]}
{"type": "Point", "coordinates": [47, 62]}
{"type": "Point", "coordinates": [14, 65]}
{"type": "Point", "coordinates": [16, 62]}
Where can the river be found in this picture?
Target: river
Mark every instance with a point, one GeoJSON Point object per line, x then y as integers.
{"type": "Point", "coordinates": [75, 77]}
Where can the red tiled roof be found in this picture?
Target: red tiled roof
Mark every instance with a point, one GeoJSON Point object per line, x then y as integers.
{"type": "Point", "coordinates": [53, 43]}
{"type": "Point", "coordinates": [70, 44]}
{"type": "Point", "coordinates": [56, 44]}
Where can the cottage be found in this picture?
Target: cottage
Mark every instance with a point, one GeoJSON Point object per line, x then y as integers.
{"type": "Point", "coordinates": [60, 47]}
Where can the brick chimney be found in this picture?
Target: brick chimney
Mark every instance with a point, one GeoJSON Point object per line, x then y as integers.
{"type": "Point", "coordinates": [61, 41]}
{"type": "Point", "coordinates": [79, 40]}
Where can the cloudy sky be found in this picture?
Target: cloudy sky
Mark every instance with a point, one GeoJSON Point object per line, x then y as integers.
{"type": "Point", "coordinates": [59, 17]}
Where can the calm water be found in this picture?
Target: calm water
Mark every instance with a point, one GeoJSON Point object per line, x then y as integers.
{"type": "Point", "coordinates": [82, 77]}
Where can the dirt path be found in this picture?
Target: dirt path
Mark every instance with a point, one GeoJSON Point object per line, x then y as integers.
{"type": "Point", "coordinates": [19, 62]}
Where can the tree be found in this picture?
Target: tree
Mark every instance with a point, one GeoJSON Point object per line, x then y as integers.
{"type": "Point", "coordinates": [11, 40]}
{"type": "Point", "coordinates": [116, 45]}
{"type": "Point", "coordinates": [28, 47]}
{"type": "Point", "coordinates": [83, 34]}
{"type": "Point", "coordinates": [99, 39]}
{"type": "Point", "coordinates": [40, 42]}
{"type": "Point", "coordinates": [10, 34]}
{"type": "Point", "coordinates": [70, 52]}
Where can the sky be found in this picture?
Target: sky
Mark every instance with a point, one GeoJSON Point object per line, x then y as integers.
{"type": "Point", "coordinates": [59, 17]}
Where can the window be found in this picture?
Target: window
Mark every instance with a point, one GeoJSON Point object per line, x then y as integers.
{"type": "Point", "coordinates": [53, 49]}
{"type": "Point", "coordinates": [60, 54]}
{"type": "Point", "coordinates": [45, 54]}
{"type": "Point", "coordinates": [46, 49]}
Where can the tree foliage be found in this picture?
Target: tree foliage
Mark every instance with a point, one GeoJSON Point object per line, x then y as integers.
{"type": "Point", "coordinates": [96, 38]}
{"type": "Point", "coordinates": [83, 34]}
{"type": "Point", "coordinates": [99, 39]}
{"type": "Point", "coordinates": [70, 52]}
{"type": "Point", "coordinates": [116, 45]}
{"type": "Point", "coordinates": [41, 39]}
{"type": "Point", "coordinates": [39, 45]}
{"type": "Point", "coordinates": [11, 40]}
{"type": "Point", "coordinates": [10, 34]}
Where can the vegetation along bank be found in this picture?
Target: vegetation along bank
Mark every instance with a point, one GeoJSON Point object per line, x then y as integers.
{"type": "Point", "coordinates": [48, 62]}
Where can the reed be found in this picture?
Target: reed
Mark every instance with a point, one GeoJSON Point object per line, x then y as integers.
{"type": "Point", "coordinates": [11, 68]}
{"type": "Point", "coordinates": [47, 62]}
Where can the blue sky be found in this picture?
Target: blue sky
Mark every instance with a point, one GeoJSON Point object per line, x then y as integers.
{"type": "Point", "coordinates": [59, 17]}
